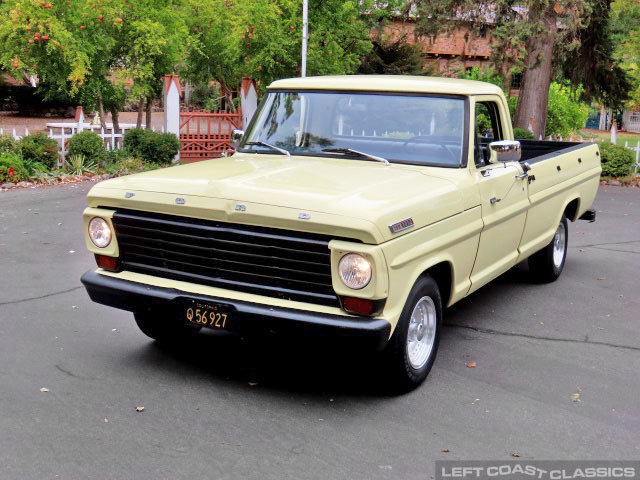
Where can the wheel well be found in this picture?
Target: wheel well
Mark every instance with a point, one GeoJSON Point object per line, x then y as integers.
{"type": "Point", "coordinates": [572, 209]}
{"type": "Point", "coordinates": [442, 274]}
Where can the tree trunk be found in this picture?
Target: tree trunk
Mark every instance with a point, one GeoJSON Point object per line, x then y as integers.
{"type": "Point", "coordinates": [116, 126]}
{"type": "Point", "coordinates": [534, 92]}
{"type": "Point", "coordinates": [103, 121]}
{"type": "Point", "coordinates": [149, 111]}
{"type": "Point", "coordinates": [140, 110]}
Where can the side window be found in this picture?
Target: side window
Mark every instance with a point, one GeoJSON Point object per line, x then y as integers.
{"type": "Point", "coordinates": [487, 128]}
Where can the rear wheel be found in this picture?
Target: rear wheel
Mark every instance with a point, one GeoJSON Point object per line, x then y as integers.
{"type": "Point", "coordinates": [412, 349]}
{"type": "Point", "coordinates": [163, 329]}
{"type": "Point", "coordinates": [546, 265]}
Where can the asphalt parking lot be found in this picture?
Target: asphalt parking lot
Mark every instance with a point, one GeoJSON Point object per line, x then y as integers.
{"type": "Point", "coordinates": [556, 377]}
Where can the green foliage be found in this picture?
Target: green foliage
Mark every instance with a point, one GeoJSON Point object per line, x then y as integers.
{"type": "Point", "coordinates": [394, 57]}
{"type": "Point", "coordinates": [626, 26]}
{"type": "Point", "coordinates": [89, 145]}
{"type": "Point", "coordinates": [8, 144]}
{"type": "Point", "coordinates": [78, 164]}
{"type": "Point", "coordinates": [488, 75]}
{"type": "Point", "coordinates": [12, 168]}
{"type": "Point", "coordinates": [522, 134]}
{"type": "Point", "coordinates": [616, 160]}
{"type": "Point", "coordinates": [150, 146]}
{"type": "Point", "coordinates": [39, 148]}
{"type": "Point", "coordinates": [566, 113]}
{"type": "Point", "coordinates": [127, 165]}
{"type": "Point", "coordinates": [114, 156]}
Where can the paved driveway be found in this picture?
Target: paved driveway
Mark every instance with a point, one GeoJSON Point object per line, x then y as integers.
{"type": "Point", "coordinates": [226, 409]}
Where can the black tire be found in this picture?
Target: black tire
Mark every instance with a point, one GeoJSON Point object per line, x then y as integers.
{"type": "Point", "coordinates": [542, 266]}
{"type": "Point", "coordinates": [402, 375]}
{"type": "Point", "coordinates": [163, 329]}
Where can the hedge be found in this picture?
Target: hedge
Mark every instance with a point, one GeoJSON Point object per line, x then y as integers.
{"type": "Point", "coordinates": [616, 160]}
{"type": "Point", "coordinates": [90, 145]}
{"type": "Point", "coordinates": [150, 146]}
{"type": "Point", "coordinates": [39, 148]}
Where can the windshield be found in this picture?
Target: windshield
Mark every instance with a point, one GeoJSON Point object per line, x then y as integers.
{"type": "Point", "coordinates": [416, 129]}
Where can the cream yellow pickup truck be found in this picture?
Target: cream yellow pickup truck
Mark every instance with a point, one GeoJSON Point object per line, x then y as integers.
{"type": "Point", "coordinates": [355, 209]}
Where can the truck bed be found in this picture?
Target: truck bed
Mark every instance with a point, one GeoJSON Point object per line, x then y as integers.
{"type": "Point", "coordinates": [537, 150]}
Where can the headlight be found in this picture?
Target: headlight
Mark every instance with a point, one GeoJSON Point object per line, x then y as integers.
{"type": "Point", "coordinates": [354, 271]}
{"type": "Point", "coordinates": [99, 232]}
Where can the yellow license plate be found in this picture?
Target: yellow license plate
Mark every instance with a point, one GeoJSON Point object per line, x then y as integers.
{"type": "Point", "coordinates": [208, 315]}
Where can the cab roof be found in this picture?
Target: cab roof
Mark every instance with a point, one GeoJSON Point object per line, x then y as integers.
{"type": "Point", "coordinates": [388, 83]}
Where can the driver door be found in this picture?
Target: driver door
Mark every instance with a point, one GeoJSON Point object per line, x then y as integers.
{"type": "Point", "coordinates": [504, 198]}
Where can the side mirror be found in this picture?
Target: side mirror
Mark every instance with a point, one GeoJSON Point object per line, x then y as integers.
{"type": "Point", "coordinates": [504, 151]}
{"type": "Point", "coordinates": [236, 137]}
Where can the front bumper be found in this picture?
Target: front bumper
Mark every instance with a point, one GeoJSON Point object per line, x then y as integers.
{"type": "Point", "coordinates": [251, 318]}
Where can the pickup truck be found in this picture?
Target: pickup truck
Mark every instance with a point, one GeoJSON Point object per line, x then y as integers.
{"type": "Point", "coordinates": [355, 209]}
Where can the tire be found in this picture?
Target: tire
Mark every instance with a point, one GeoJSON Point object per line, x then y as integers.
{"type": "Point", "coordinates": [412, 349]}
{"type": "Point", "coordinates": [163, 329]}
{"type": "Point", "coordinates": [546, 265]}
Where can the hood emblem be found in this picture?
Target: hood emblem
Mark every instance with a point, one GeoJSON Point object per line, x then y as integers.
{"type": "Point", "coordinates": [304, 216]}
{"type": "Point", "coordinates": [401, 225]}
{"type": "Point", "coordinates": [241, 208]}
{"type": "Point", "coordinates": [180, 201]}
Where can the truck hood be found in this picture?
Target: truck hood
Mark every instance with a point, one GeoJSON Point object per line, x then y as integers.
{"type": "Point", "coordinates": [314, 193]}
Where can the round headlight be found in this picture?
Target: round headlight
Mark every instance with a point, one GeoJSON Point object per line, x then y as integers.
{"type": "Point", "coordinates": [99, 232]}
{"type": "Point", "coordinates": [354, 271]}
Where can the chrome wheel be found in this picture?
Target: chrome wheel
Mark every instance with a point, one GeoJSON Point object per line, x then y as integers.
{"type": "Point", "coordinates": [422, 332]}
{"type": "Point", "coordinates": [559, 241]}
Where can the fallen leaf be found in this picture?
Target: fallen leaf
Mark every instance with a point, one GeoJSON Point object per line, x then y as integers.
{"type": "Point", "coordinates": [514, 454]}
{"type": "Point", "coordinates": [44, 389]}
{"type": "Point", "coordinates": [600, 278]}
{"type": "Point", "coordinates": [139, 409]}
{"type": "Point", "coordinates": [446, 450]}
{"type": "Point", "coordinates": [471, 365]}
{"type": "Point", "coordinates": [576, 396]}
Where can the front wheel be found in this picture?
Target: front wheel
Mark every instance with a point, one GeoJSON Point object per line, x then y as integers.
{"type": "Point", "coordinates": [412, 349]}
{"type": "Point", "coordinates": [546, 265]}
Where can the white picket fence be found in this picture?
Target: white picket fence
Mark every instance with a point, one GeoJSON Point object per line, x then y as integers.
{"type": "Point", "coordinates": [63, 131]}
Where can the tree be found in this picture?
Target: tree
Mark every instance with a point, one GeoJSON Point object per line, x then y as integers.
{"type": "Point", "coordinates": [394, 56]}
{"type": "Point", "coordinates": [96, 52]}
{"type": "Point", "coordinates": [626, 32]}
{"type": "Point", "coordinates": [262, 40]}
{"type": "Point", "coordinates": [527, 35]}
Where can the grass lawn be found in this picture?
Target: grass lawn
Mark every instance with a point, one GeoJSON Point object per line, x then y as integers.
{"type": "Point", "coordinates": [621, 137]}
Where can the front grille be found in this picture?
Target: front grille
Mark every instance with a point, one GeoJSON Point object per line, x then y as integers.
{"type": "Point", "coordinates": [265, 261]}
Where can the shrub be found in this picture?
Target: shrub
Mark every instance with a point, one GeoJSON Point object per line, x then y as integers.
{"type": "Point", "coordinates": [78, 164]}
{"type": "Point", "coordinates": [39, 148]}
{"type": "Point", "coordinates": [566, 113]}
{"type": "Point", "coordinates": [152, 147]}
{"type": "Point", "coordinates": [12, 168]}
{"type": "Point", "coordinates": [127, 165]}
{"type": "Point", "coordinates": [522, 134]}
{"type": "Point", "coordinates": [133, 139]}
{"type": "Point", "coordinates": [88, 144]}
{"type": "Point", "coordinates": [114, 156]}
{"type": "Point", "coordinates": [8, 144]}
{"type": "Point", "coordinates": [616, 160]}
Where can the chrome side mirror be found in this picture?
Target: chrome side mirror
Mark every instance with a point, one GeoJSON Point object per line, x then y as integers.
{"type": "Point", "coordinates": [236, 137]}
{"type": "Point", "coordinates": [505, 151]}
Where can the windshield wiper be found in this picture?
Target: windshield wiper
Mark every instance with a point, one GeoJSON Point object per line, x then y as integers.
{"type": "Point", "coordinates": [356, 152]}
{"type": "Point", "coordinates": [272, 147]}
